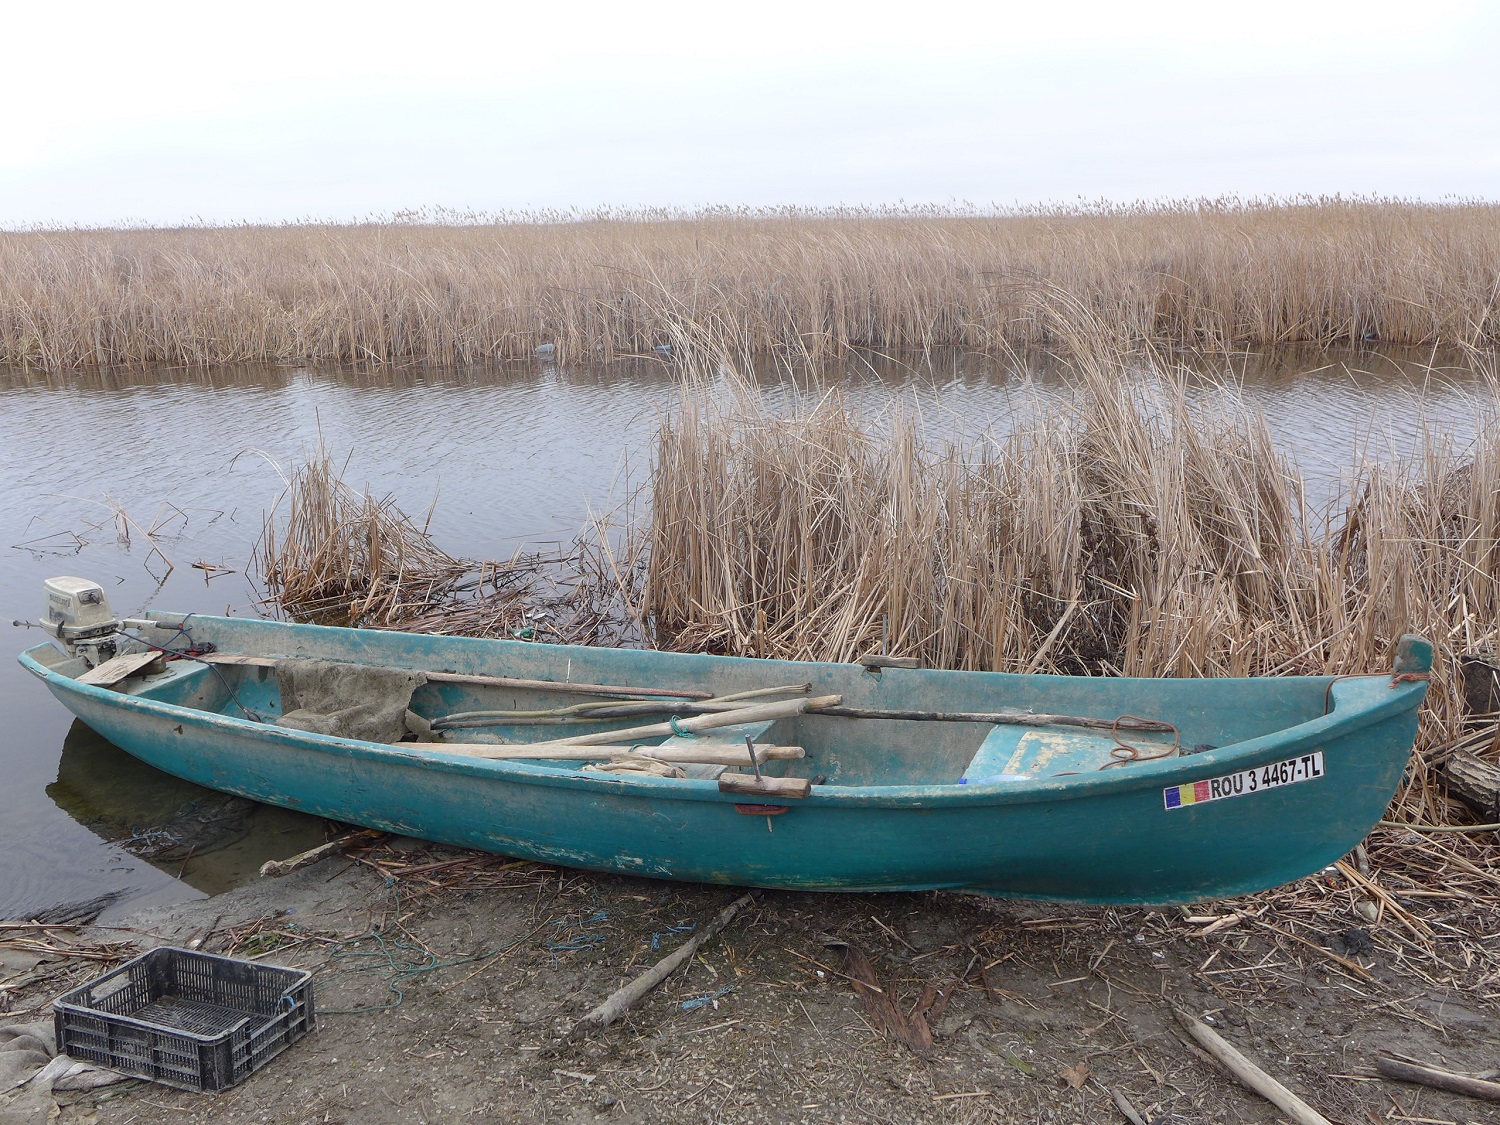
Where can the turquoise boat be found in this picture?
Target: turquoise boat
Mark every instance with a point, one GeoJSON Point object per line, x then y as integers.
{"type": "Point", "coordinates": [762, 773]}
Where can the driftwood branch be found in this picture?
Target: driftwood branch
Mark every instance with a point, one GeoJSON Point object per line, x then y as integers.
{"type": "Point", "coordinates": [275, 868]}
{"type": "Point", "coordinates": [1250, 1075]}
{"type": "Point", "coordinates": [876, 661]}
{"type": "Point", "coordinates": [1425, 1074]}
{"type": "Point", "coordinates": [623, 999]}
{"type": "Point", "coordinates": [911, 1026]}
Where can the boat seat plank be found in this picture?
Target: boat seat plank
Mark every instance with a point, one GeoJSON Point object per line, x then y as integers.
{"type": "Point", "coordinates": [118, 668]}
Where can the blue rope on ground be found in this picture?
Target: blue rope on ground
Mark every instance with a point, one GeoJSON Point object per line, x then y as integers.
{"type": "Point", "coordinates": [402, 959]}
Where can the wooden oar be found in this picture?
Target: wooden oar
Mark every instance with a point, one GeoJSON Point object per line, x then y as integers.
{"type": "Point", "coordinates": [711, 755]}
{"type": "Point", "coordinates": [1002, 718]}
{"type": "Point", "coordinates": [480, 681]}
{"type": "Point", "coordinates": [759, 713]}
{"type": "Point", "coordinates": [603, 710]}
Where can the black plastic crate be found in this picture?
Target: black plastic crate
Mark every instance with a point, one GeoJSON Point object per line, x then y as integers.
{"type": "Point", "coordinates": [191, 1020]}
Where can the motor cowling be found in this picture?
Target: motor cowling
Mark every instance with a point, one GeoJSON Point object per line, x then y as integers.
{"type": "Point", "coordinates": [76, 612]}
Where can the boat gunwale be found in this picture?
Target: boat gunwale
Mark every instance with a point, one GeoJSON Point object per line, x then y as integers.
{"type": "Point", "coordinates": [1347, 716]}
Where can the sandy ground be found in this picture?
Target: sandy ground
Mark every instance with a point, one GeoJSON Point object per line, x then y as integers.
{"type": "Point", "coordinates": [446, 983]}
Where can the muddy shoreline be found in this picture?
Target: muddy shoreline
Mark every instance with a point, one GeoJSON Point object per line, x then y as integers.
{"type": "Point", "coordinates": [447, 980]}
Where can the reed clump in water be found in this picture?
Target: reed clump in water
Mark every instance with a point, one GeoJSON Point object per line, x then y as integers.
{"type": "Point", "coordinates": [335, 555]}
{"type": "Point", "coordinates": [341, 556]}
{"type": "Point", "coordinates": [798, 283]}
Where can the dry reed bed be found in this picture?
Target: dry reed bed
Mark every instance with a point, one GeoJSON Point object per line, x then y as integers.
{"type": "Point", "coordinates": [803, 284]}
{"type": "Point", "coordinates": [1126, 532]}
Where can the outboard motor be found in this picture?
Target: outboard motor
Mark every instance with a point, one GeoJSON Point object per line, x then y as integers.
{"type": "Point", "coordinates": [77, 613]}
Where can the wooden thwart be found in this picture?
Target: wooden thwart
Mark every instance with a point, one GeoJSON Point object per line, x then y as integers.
{"type": "Point", "coordinates": [118, 668]}
{"type": "Point", "coordinates": [751, 786]}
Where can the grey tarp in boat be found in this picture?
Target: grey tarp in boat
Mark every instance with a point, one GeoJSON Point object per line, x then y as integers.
{"type": "Point", "coordinates": [347, 700]}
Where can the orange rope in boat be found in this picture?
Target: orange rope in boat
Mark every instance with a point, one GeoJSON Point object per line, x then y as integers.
{"type": "Point", "coordinates": [1123, 752]}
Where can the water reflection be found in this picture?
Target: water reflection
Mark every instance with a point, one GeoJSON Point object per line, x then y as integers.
{"type": "Point", "coordinates": [633, 372]}
{"type": "Point", "coordinates": [209, 840]}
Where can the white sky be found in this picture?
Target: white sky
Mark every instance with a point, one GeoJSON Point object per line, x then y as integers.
{"type": "Point", "coordinates": [171, 112]}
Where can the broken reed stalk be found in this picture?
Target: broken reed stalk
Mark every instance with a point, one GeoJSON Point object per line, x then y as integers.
{"type": "Point", "coordinates": [471, 289]}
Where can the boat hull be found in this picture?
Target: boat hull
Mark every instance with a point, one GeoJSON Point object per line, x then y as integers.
{"type": "Point", "coordinates": [1115, 837]}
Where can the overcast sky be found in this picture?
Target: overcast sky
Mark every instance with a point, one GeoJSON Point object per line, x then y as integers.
{"type": "Point", "coordinates": [166, 113]}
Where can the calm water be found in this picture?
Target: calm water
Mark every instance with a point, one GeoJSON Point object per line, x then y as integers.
{"type": "Point", "coordinates": [512, 456]}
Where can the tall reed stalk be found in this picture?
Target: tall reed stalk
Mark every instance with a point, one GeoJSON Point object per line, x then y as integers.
{"type": "Point", "coordinates": [804, 284]}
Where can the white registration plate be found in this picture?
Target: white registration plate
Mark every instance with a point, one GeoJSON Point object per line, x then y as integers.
{"type": "Point", "coordinates": [1308, 767]}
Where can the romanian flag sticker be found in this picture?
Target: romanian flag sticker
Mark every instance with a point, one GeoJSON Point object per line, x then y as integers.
{"type": "Point", "coordinates": [1308, 767]}
{"type": "Point", "coordinates": [1194, 794]}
